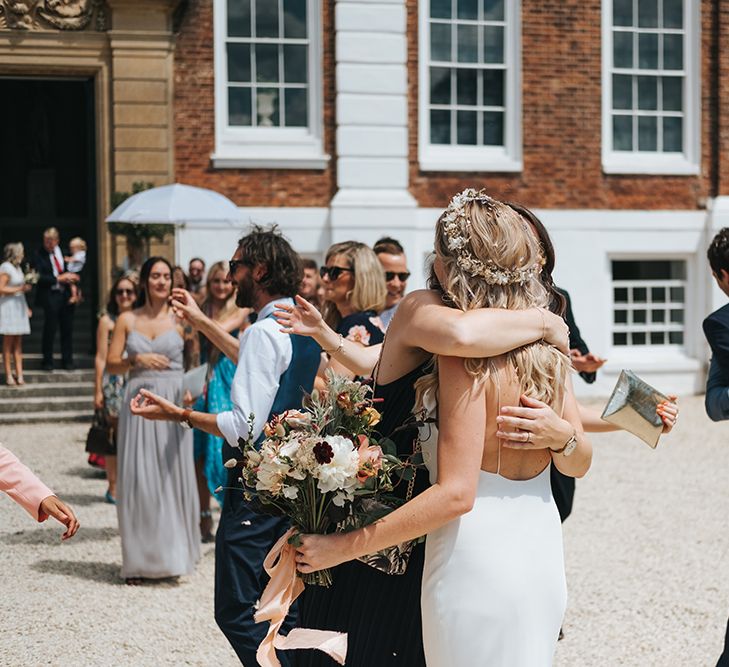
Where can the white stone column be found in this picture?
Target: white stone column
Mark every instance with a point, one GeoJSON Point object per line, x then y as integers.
{"type": "Point", "coordinates": [372, 124]}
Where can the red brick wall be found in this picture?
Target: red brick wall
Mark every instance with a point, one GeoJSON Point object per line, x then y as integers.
{"type": "Point", "coordinates": [723, 99]}
{"type": "Point", "coordinates": [561, 121]}
{"type": "Point", "coordinates": [194, 123]}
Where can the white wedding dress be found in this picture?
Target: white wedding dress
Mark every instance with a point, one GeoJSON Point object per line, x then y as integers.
{"type": "Point", "coordinates": [494, 590]}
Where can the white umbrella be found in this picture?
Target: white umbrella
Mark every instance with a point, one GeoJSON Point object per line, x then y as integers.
{"type": "Point", "coordinates": [176, 204]}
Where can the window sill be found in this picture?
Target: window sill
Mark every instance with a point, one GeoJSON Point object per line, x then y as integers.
{"type": "Point", "coordinates": [648, 358]}
{"type": "Point", "coordinates": [262, 161]}
{"type": "Point", "coordinates": [650, 164]}
{"type": "Point", "coordinates": [468, 158]}
{"type": "Point", "coordinates": [270, 150]}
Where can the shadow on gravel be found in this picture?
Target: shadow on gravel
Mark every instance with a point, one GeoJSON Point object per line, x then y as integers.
{"type": "Point", "coordinates": [81, 499]}
{"type": "Point", "coordinates": [87, 473]}
{"type": "Point", "coordinates": [104, 573]}
{"type": "Point", "coordinates": [53, 536]}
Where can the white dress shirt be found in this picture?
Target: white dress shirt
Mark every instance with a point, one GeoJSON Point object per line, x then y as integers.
{"type": "Point", "coordinates": [264, 354]}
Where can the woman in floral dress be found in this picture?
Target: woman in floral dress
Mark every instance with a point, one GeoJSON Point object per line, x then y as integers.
{"type": "Point", "coordinates": [108, 387]}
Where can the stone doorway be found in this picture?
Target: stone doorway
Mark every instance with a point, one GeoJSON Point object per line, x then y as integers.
{"type": "Point", "coordinates": [48, 178]}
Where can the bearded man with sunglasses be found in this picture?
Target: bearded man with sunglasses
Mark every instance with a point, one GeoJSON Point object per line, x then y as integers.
{"type": "Point", "coordinates": [392, 257]}
{"type": "Point", "coordinates": [273, 371]}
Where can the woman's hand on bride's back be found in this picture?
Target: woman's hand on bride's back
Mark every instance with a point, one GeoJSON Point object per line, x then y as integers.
{"type": "Point", "coordinates": [532, 425]}
{"type": "Point", "coordinates": [302, 319]}
{"type": "Point", "coordinates": [319, 552]}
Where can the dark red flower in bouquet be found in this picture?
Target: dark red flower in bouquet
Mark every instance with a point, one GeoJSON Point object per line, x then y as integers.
{"type": "Point", "coordinates": [323, 452]}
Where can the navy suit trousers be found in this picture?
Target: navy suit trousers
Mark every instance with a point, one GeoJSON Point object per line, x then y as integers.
{"type": "Point", "coordinates": [243, 540]}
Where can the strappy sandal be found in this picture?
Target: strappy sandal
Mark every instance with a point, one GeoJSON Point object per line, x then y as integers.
{"type": "Point", "coordinates": [10, 381]}
{"type": "Point", "coordinates": [20, 380]}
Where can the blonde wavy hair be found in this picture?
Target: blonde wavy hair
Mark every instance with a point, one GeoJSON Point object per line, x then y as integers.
{"type": "Point", "coordinates": [495, 235]}
{"type": "Point", "coordinates": [369, 291]}
{"type": "Point", "coordinates": [229, 308]}
{"type": "Point", "coordinates": [14, 253]}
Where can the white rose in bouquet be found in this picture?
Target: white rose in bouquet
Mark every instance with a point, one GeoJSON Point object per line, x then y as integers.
{"type": "Point", "coordinates": [338, 465]}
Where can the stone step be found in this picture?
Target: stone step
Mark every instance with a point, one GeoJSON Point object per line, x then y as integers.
{"type": "Point", "coordinates": [34, 360]}
{"type": "Point", "coordinates": [38, 390]}
{"type": "Point", "coordinates": [36, 377]}
{"type": "Point", "coordinates": [46, 404]}
{"type": "Point", "coordinates": [39, 417]}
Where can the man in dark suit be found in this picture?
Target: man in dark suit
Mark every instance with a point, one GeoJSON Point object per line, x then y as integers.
{"type": "Point", "coordinates": [716, 330]}
{"type": "Point", "coordinates": [587, 364]}
{"type": "Point", "coordinates": [53, 293]}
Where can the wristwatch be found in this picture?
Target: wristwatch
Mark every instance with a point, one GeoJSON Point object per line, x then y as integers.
{"type": "Point", "coordinates": [569, 446]}
{"type": "Point", "coordinates": [185, 419]}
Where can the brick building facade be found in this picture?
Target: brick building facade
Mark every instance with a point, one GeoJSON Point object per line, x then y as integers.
{"type": "Point", "coordinates": [344, 119]}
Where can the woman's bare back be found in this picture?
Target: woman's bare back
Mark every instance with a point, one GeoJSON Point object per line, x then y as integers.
{"type": "Point", "coordinates": [502, 388]}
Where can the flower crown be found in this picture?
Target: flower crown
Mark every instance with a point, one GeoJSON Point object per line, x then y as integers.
{"type": "Point", "coordinates": [456, 223]}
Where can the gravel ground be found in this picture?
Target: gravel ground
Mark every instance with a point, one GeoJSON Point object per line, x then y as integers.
{"type": "Point", "coordinates": [647, 552]}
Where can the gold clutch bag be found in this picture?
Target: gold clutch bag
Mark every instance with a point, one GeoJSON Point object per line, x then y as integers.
{"type": "Point", "coordinates": [632, 407]}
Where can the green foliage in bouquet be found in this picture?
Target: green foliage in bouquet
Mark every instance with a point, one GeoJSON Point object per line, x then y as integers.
{"type": "Point", "coordinates": [320, 464]}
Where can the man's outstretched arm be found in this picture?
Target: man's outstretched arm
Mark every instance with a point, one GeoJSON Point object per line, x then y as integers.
{"type": "Point", "coordinates": [150, 406]}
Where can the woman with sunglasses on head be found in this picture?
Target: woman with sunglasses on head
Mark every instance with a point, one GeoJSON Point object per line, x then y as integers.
{"type": "Point", "coordinates": [108, 387]}
{"type": "Point", "coordinates": [157, 505]}
{"type": "Point", "coordinates": [354, 292]}
{"type": "Point", "coordinates": [219, 305]}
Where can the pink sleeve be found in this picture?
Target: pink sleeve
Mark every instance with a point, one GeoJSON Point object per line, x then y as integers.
{"type": "Point", "coordinates": [22, 485]}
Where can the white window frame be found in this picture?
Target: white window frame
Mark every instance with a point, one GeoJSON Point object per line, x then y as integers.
{"type": "Point", "coordinates": [637, 353]}
{"type": "Point", "coordinates": [274, 148]}
{"type": "Point", "coordinates": [506, 158]}
{"type": "Point", "coordinates": [643, 162]}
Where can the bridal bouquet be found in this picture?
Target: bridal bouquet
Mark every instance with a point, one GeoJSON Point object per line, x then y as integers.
{"type": "Point", "coordinates": [30, 275]}
{"type": "Point", "coordinates": [320, 464]}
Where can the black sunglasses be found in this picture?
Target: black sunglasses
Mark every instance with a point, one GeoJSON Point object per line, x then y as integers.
{"type": "Point", "coordinates": [123, 292]}
{"type": "Point", "coordinates": [233, 264]}
{"type": "Point", "coordinates": [333, 271]}
{"type": "Point", "coordinates": [403, 276]}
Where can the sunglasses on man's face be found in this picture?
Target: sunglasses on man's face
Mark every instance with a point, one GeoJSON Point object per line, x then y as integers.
{"type": "Point", "coordinates": [333, 272]}
{"type": "Point", "coordinates": [403, 276]}
{"type": "Point", "coordinates": [233, 265]}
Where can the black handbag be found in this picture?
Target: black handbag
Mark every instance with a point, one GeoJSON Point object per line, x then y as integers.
{"type": "Point", "coordinates": [100, 438]}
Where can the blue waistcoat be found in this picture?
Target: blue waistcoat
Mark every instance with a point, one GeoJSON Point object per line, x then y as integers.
{"type": "Point", "coordinates": [294, 381]}
{"type": "Point", "coordinates": [299, 376]}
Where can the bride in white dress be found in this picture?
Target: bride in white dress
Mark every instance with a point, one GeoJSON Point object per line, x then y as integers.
{"type": "Point", "coordinates": [493, 591]}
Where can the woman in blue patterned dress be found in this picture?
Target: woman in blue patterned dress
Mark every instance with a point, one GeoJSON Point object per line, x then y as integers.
{"type": "Point", "coordinates": [220, 306]}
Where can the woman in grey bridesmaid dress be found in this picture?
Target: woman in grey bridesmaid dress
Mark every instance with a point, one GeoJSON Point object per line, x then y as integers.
{"type": "Point", "coordinates": [157, 500]}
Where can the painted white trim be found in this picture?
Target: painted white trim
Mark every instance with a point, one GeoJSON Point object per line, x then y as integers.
{"type": "Point", "coordinates": [275, 148]}
{"type": "Point", "coordinates": [660, 164]}
{"type": "Point", "coordinates": [506, 158]}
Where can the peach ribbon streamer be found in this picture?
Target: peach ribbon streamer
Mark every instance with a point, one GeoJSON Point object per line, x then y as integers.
{"type": "Point", "coordinates": [281, 591]}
